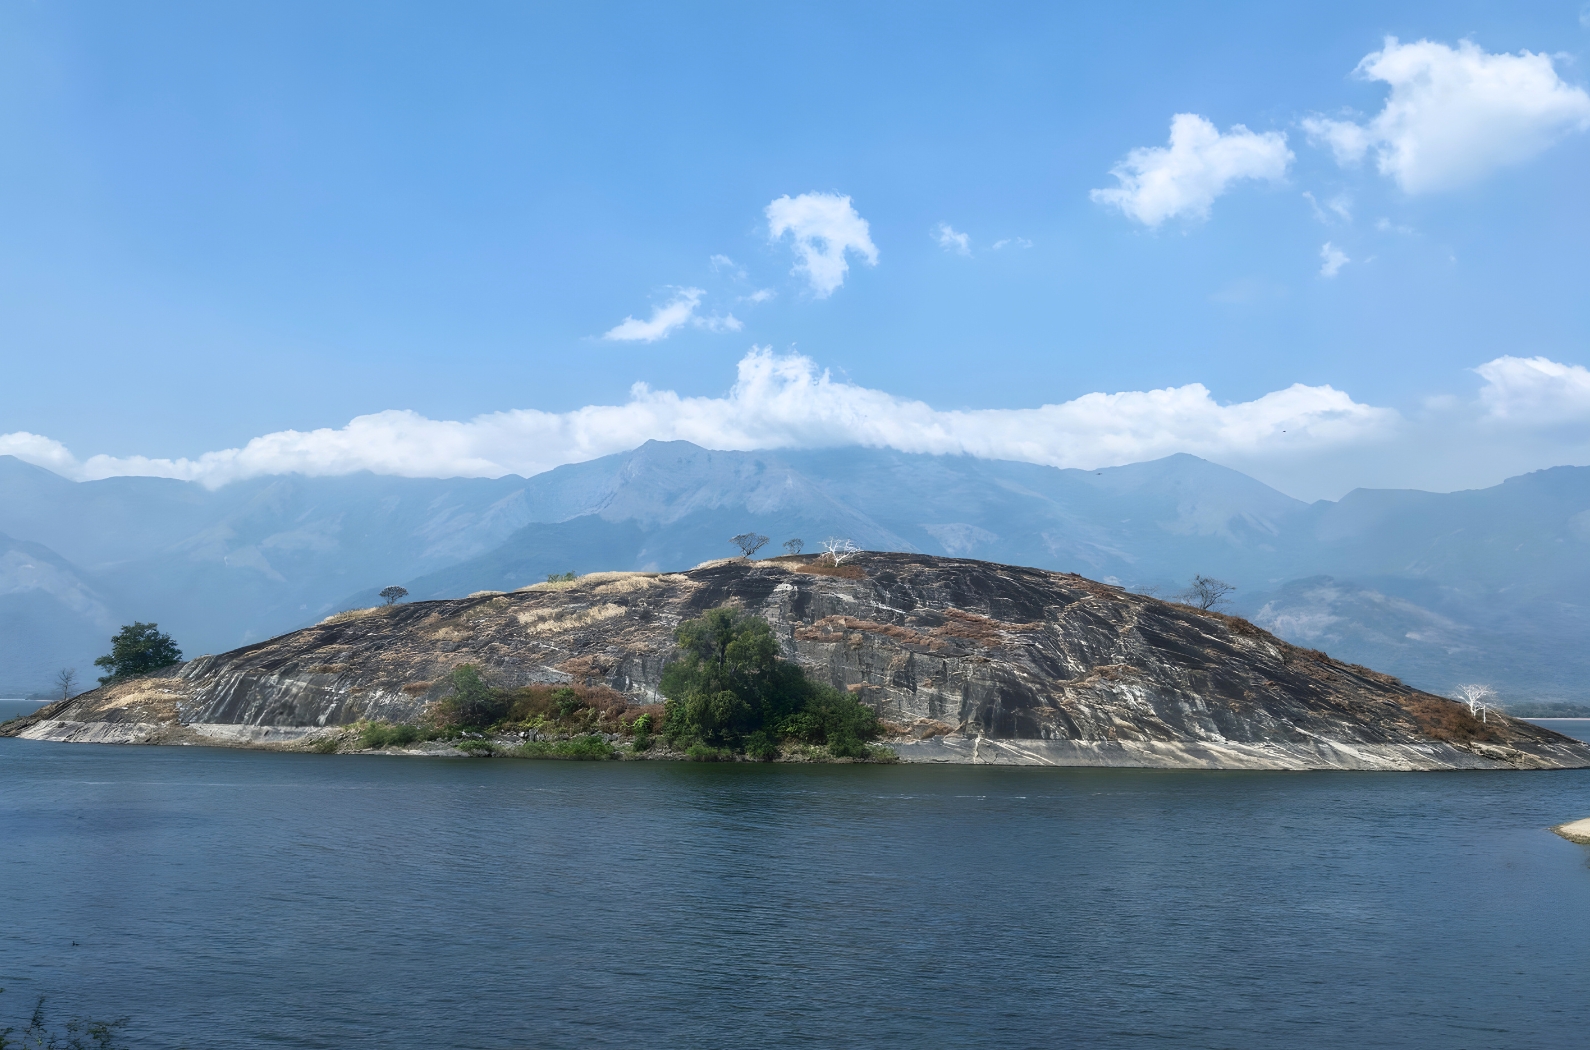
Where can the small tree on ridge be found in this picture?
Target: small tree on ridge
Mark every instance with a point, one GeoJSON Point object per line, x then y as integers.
{"type": "Point", "coordinates": [1207, 593]}
{"type": "Point", "coordinates": [394, 593]}
{"type": "Point", "coordinates": [136, 649]}
{"type": "Point", "coordinates": [748, 542]}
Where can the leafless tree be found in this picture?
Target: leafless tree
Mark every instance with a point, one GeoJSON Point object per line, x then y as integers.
{"type": "Point", "coordinates": [66, 678]}
{"type": "Point", "coordinates": [793, 546]}
{"type": "Point", "coordinates": [748, 542]}
{"type": "Point", "coordinates": [394, 593]}
{"type": "Point", "coordinates": [1477, 697]}
{"type": "Point", "coordinates": [837, 550]}
{"type": "Point", "coordinates": [1207, 593]}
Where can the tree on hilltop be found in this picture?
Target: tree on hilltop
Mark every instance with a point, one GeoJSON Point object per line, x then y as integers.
{"type": "Point", "coordinates": [748, 542]}
{"type": "Point", "coordinates": [1207, 593]}
{"type": "Point", "coordinates": [394, 593]}
{"type": "Point", "coordinates": [136, 649]}
{"type": "Point", "coordinates": [794, 546]}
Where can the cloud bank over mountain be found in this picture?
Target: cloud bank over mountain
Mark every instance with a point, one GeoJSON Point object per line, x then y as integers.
{"type": "Point", "coordinates": [1311, 439]}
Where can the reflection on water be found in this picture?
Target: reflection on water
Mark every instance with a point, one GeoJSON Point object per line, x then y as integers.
{"type": "Point", "coordinates": [244, 899]}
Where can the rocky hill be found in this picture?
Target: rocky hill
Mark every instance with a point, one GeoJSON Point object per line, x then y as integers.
{"type": "Point", "coordinates": [966, 661]}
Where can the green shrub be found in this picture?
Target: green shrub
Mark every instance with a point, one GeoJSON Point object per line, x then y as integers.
{"type": "Point", "coordinates": [590, 746]}
{"type": "Point", "coordinates": [587, 747]}
{"type": "Point", "coordinates": [699, 752]}
{"type": "Point", "coordinates": [472, 702]}
{"type": "Point", "coordinates": [376, 735]}
{"type": "Point", "coordinates": [761, 747]}
{"type": "Point", "coordinates": [477, 748]}
{"type": "Point", "coordinates": [326, 745]}
{"type": "Point", "coordinates": [729, 689]}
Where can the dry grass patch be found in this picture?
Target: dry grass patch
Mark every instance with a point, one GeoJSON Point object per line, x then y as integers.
{"type": "Point", "coordinates": [552, 621]}
{"type": "Point", "coordinates": [844, 572]}
{"type": "Point", "coordinates": [353, 614]}
{"type": "Point", "coordinates": [1448, 720]}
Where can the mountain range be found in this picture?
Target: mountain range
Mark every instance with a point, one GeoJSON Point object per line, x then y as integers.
{"type": "Point", "coordinates": [1438, 588]}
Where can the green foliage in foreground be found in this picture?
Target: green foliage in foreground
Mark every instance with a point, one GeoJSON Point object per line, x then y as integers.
{"type": "Point", "coordinates": [136, 649]}
{"type": "Point", "coordinates": [730, 692]}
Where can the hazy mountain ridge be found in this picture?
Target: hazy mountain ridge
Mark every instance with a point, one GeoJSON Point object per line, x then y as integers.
{"type": "Point", "coordinates": [1437, 588]}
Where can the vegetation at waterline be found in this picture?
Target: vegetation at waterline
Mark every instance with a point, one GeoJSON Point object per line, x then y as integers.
{"type": "Point", "coordinates": [729, 696]}
{"type": "Point", "coordinates": [136, 649]}
{"type": "Point", "coordinates": [730, 693]}
{"type": "Point", "coordinates": [549, 721]}
{"type": "Point", "coordinates": [76, 1034]}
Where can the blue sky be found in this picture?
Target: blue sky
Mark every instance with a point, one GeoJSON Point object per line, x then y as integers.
{"type": "Point", "coordinates": [219, 223]}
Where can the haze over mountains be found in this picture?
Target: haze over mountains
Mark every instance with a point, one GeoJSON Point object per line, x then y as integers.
{"type": "Point", "coordinates": [1483, 585]}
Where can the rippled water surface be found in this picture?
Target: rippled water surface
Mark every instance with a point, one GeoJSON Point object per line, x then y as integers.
{"type": "Point", "coordinates": [242, 899]}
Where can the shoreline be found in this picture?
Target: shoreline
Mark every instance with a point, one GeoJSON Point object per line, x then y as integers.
{"type": "Point", "coordinates": [1314, 754]}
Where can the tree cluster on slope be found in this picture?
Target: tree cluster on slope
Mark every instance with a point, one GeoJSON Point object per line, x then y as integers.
{"type": "Point", "coordinates": [730, 689]}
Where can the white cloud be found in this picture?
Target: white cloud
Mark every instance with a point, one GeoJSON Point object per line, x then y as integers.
{"type": "Point", "coordinates": [1340, 206]}
{"type": "Point", "coordinates": [664, 319]}
{"type": "Point", "coordinates": [1333, 260]}
{"type": "Point", "coordinates": [761, 295]}
{"type": "Point", "coordinates": [1454, 115]}
{"type": "Point", "coordinates": [776, 402]}
{"type": "Point", "coordinates": [1535, 391]}
{"type": "Point", "coordinates": [40, 451]}
{"type": "Point", "coordinates": [824, 227]}
{"type": "Point", "coordinates": [951, 241]}
{"type": "Point", "coordinates": [1184, 178]}
{"type": "Point", "coordinates": [678, 311]}
{"type": "Point", "coordinates": [1005, 242]}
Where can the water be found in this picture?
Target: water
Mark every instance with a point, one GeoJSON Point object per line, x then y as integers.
{"type": "Point", "coordinates": [245, 899]}
{"type": "Point", "coordinates": [10, 709]}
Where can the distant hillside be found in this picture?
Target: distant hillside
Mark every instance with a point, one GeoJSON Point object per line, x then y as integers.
{"type": "Point", "coordinates": [1486, 585]}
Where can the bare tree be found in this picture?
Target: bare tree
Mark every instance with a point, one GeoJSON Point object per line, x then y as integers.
{"type": "Point", "coordinates": [836, 550]}
{"type": "Point", "coordinates": [1207, 593]}
{"type": "Point", "coordinates": [394, 593]}
{"type": "Point", "coordinates": [66, 678]}
{"type": "Point", "coordinates": [1477, 697]}
{"type": "Point", "coordinates": [794, 546]}
{"type": "Point", "coordinates": [748, 542]}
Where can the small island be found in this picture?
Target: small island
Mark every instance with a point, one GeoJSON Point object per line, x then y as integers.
{"type": "Point", "coordinates": [872, 657]}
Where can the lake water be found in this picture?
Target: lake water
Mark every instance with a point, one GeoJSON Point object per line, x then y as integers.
{"type": "Point", "coordinates": [246, 899]}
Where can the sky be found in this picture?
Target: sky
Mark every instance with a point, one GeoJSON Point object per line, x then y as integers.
{"type": "Point", "coordinates": [1331, 245]}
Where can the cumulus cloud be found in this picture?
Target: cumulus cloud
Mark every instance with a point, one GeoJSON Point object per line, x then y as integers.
{"type": "Point", "coordinates": [677, 312]}
{"type": "Point", "coordinates": [951, 240]}
{"type": "Point", "coordinates": [1454, 115]}
{"type": "Point", "coordinates": [1333, 259]}
{"type": "Point", "coordinates": [1185, 177]}
{"type": "Point", "coordinates": [776, 402]}
{"type": "Point", "coordinates": [824, 227]}
{"type": "Point", "coordinates": [1535, 391]}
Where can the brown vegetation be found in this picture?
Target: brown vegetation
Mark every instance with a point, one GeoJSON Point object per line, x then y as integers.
{"type": "Point", "coordinates": [844, 572]}
{"type": "Point", "coordinates": [1448, 720]}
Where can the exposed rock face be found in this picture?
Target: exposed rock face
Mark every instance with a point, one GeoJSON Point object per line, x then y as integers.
{"type": "Point", "coordinates": [967, 661]}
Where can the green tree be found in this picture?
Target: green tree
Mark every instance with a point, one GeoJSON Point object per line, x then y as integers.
{"type": "Point", "coordinates": [729, 688]}
{"type": "Point", "coordinates": [136, 649]}
{"type": "Point", "coordinates": [474, 703]}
